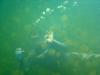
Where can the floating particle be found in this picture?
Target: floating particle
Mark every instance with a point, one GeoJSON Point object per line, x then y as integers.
{"type": "Point", "coordinates": [64, 8]}
{"type": "Point", "coordinates": [42, 17]}
{"type": "Point", "coordinates": [65, 2]}
{"type": "Point", "coordinates": [60, 6]}
{"type": "Point", "coordinates": [43, 12]}
{"type": "Point", "coordinates": [52, 10]}
{"type": "Point", "coordinates": [75, 3]}
{"type": "Point", "coordinates": [47, 9]}
{"type": "Point", "coordinates": [38, 20]}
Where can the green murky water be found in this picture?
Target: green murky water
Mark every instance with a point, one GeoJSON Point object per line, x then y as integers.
{"type": "Point", "coordinates": [76, 23]}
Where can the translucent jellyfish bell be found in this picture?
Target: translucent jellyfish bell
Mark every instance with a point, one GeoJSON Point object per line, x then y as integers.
{"type": "Point", "coordinates": [19, 51]}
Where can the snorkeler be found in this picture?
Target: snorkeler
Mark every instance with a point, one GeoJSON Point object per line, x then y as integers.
{"type": "Point", "coordinates": [53, 43]}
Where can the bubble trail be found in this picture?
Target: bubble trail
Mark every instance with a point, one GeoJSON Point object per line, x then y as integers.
{"type": "Point", "coordinates": [49, 11]}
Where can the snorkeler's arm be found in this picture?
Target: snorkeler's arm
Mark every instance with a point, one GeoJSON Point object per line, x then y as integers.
{"type": "Point", "coordinates": [58, 42]}
{"type": "Point", "coordinates": [50, 39]}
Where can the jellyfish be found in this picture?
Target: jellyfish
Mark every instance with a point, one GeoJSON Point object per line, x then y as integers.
{"type": "Point", "coordinates": [20, 57]}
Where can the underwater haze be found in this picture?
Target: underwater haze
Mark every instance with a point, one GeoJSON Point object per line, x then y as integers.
{"type": "Point", "coordinates": [49, 37]}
